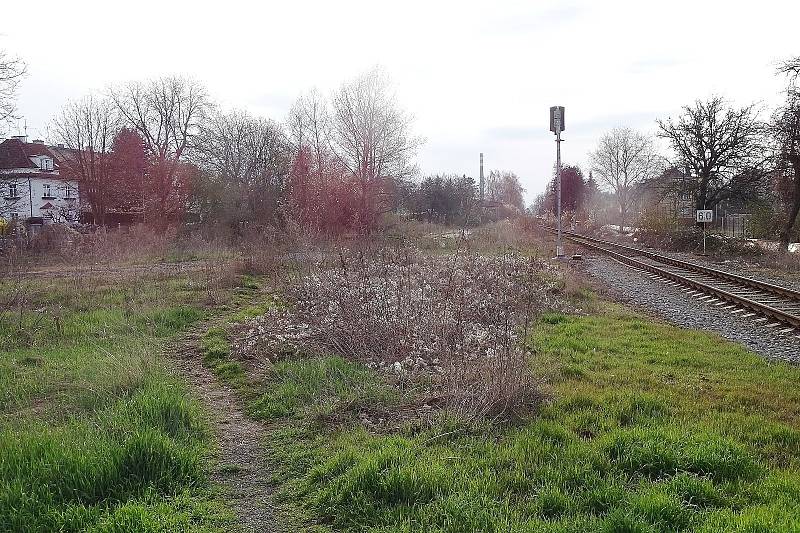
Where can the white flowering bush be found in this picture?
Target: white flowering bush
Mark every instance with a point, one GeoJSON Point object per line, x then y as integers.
{"type": "Point", "coordinates": [461, 318]}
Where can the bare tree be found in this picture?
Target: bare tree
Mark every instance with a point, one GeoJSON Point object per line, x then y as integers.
{"type": "Point", "coordinates": [372, 137]}
{"type": "Point", "coordinates": [623, 160]}
{"type": "Point", "coordinates": [167, 113]}
{"type": "Point", "coordinates": [505, 187]}
{"type": "Point", "coordinates": [87, 128]}
{"type": "Point", "coordinates": [786, 130]}
{"type": "Point", "coordinates": [309, 127]}
{"type": "Point", "coordinates": [12, 71]}
{"type": "Point", "coordinates": [721, 147]}
{"type": "Point", "coordinates": [248, 158]}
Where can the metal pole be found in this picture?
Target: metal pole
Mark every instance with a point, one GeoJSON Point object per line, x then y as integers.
{"type": "Point", "coordinates": [704, 238]}
{"type": "Point", "coordinates": [559, 246]}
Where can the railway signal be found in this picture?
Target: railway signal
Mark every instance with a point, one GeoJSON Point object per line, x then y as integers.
{"type": "Point", "coordinates": [557, 126]}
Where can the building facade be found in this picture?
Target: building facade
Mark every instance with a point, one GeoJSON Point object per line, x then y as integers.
{"type": "Point", "coordinates": [33, 188]}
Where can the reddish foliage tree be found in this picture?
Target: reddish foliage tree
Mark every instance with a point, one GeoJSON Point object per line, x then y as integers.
{"type": "Point", "coordinates": [166, 192]}
{"type": "Point", "coordinates": [572, 189]}
{"type": "Point", "coordinates": [128, 166]}
{"type": "Point", "coordinates": [323, 196]}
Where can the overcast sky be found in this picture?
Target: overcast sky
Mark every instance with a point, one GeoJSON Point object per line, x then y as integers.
{"type": "Point", "coordinates": [478, 77]}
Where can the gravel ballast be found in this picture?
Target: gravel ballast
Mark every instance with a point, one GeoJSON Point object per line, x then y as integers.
{"type": "Point", "coordinates": [655, 296]}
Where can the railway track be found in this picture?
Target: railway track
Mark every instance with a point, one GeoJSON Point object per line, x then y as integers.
{"type": "Point", "coordinates": [773, 306]}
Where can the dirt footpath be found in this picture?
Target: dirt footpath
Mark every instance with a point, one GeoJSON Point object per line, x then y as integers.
{"type": "Point", "coordinates": [240, 470]}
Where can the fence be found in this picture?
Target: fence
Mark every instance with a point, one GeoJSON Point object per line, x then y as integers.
{"type": "Point", "coordinates": [738, 225]}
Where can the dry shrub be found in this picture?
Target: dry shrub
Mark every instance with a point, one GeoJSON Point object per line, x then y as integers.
{"type": "Point", "coordinates": [498, 386]}
{"type": "Point", "coordinates": [461, 319]}
{"type": "Point", "coordinates": [140, 243]}
{"type": "Point", "coordinates": [126, 244]}
{"type": "Point", "coordinates": [216, 278]}
{"type": "Point", "coordinates": [260, 254]}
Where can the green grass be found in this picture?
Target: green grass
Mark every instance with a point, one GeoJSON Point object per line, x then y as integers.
{"type": "Point", "coordinates": [96, 433]}
{"type": "Point", "coordinates": [319, 387]}
{"type": "Point", "coordinates": [651, 428]}
{"type": "Point", "coordinates": [216, 355]}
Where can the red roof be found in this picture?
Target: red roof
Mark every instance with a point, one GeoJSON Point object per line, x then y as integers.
{"type": "Point", "coordinates": [13, 154]}
{"type": "Point", "coordinates": [16, 154]}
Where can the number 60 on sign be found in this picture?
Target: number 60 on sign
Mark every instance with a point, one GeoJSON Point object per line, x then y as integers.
{"type": "Point", "coordinates": [705, 215]}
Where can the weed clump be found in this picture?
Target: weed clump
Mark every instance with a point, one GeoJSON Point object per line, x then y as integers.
{"type": "Point", "coordinates": [461, 321]}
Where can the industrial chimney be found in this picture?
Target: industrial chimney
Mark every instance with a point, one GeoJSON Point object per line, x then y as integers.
{"type": "Point", "coordinates": [482, 183]}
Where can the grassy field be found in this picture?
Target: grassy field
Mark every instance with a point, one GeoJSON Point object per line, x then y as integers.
{"type": "Point", "coordinates": [96, 432]}
{"type": "Point", "coordinates": [649, 428]}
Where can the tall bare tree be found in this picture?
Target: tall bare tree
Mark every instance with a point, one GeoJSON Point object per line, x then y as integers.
{"type": "Point", "coordinates": [722, 147]}
{"type": "Point", "coordinates": [12, 71]}
{"type": "Point", "coordinates": [505, 187]}
{"type": "Point", "coordinates": [87, 127]}
{"type": "Point", "coordinates": [372, 137]}
{"type": "Point", "coordinates": [167, 113]}
{"type": "Point", "coordinates": [623, 160]}
{"type": "Point", "coordinates": [786, 129]}
{"type": "Point", "coordinates": [248, 159]}
{"type": "Point", "coordinates": [309, 127]}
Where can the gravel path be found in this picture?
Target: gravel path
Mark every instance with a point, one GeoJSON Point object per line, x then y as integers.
{"type": "Point", "coordinates": [636, 288]}
{"type": "Point", "coordinates": [240, 469]}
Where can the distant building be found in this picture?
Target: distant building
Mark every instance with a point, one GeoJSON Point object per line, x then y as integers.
{"type": "Point", "coordinates": [670, 195]}
{"type": "Point", "coordinates": [32, 188]}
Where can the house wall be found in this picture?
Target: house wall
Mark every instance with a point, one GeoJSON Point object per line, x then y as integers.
{"type": "Point", "coordinates": [32, 192]}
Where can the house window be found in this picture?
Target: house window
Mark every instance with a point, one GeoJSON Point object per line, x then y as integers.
{"type": "Point", "coordinates": [67, 192]}
{"type": "Point", "coordinates": [14, 217]}
{"type": "Point", "coordinates": [47, 191]}
{"type": "Point", "coordinates": [12, 190]}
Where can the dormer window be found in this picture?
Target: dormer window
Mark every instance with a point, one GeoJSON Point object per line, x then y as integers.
{"type": "Point", "coordinates": [45, 163]}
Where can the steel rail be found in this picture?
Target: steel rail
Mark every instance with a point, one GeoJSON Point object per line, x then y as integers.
{"type": "Point", "coordinates": [725, 295]}
{"type": "Point", "coordinates": [721, 274]}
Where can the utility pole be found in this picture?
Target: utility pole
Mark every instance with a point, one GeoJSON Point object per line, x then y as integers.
{"type": "Point", "coordinates": [557, 126]}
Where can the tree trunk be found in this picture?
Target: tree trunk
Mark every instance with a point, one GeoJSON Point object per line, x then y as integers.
{"type": "Point", "coordinates": [786, 232]}
{"type": "Point", "coordinates": [700, 202]}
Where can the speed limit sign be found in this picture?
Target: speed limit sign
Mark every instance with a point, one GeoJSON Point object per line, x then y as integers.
{"type": "Point", "coordinates": [705, 215]}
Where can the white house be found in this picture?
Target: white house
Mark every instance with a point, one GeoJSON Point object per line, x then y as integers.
{"type": "Point", "coordinates": [32, 190]}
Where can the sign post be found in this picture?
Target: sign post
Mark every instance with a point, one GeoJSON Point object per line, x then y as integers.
{"type": "Point", "coordinates": [704, 216]}
{"type": "Point", "coordinates": [557, 126]}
